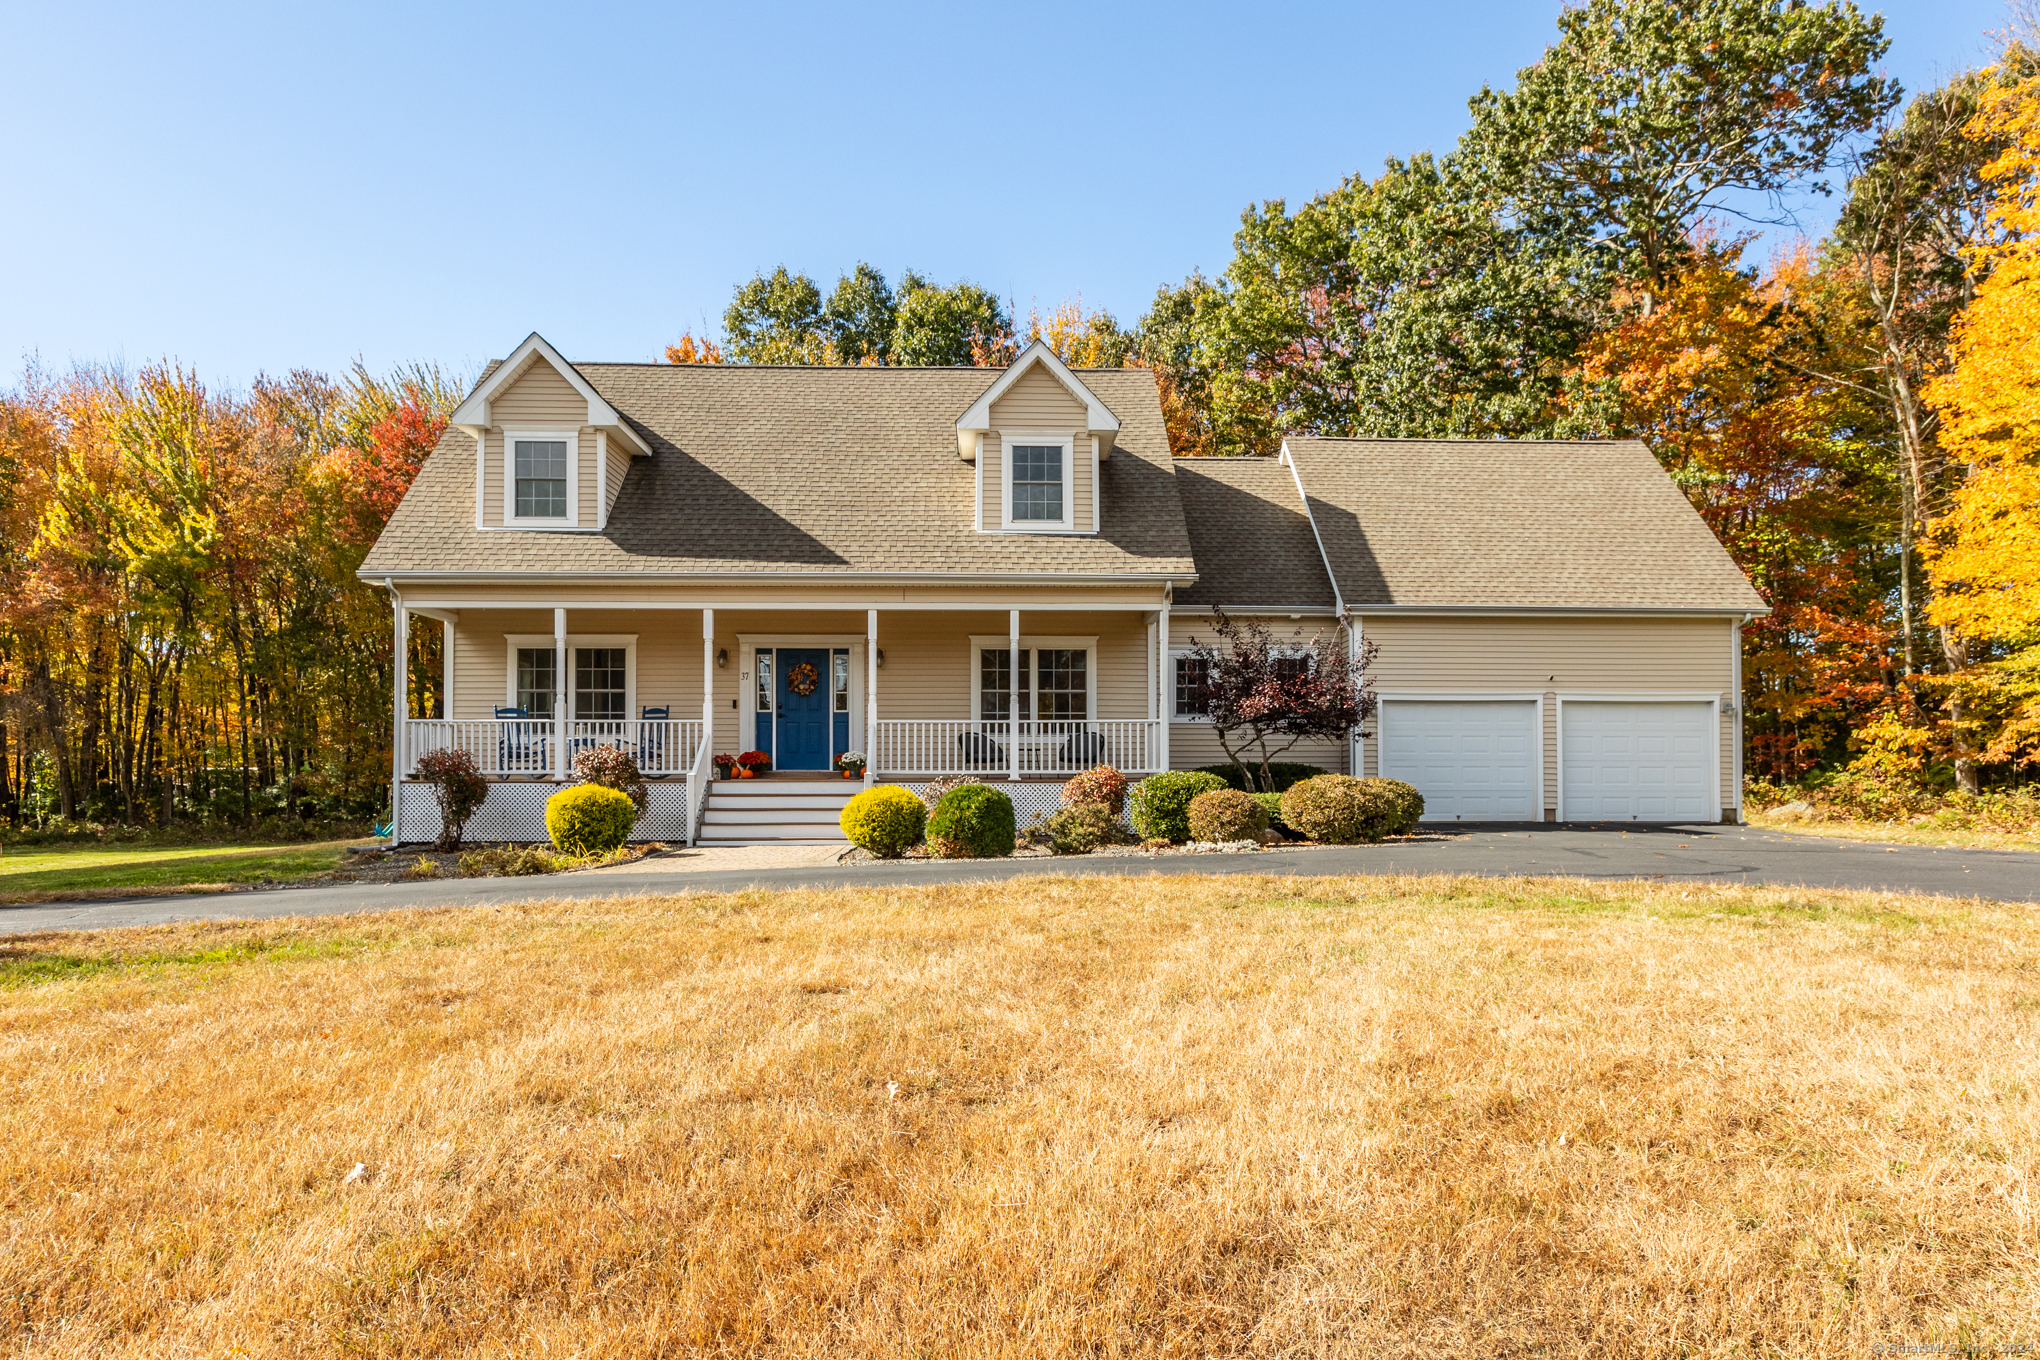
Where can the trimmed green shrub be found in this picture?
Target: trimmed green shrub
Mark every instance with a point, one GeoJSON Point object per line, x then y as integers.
{"type": "Point", "coordinates": [1406, 805]}
{"type": "Point", "coordinates": [1271, 803]}
{"type": "Point", "coordinates": [885, 819]}
{"type": "Point", "coordinates": [1287, 773]}
{"type": "Point", "coordinates": [1337, 809]}
{"type": "Point", "coordinates": [1081, 828]}
{"type": "Point", "coordinates": [588, 819]}
{"type": "Point", "coordinates": [1161, 802]}
{"type": "Point", "coordinates": [1101, 784]}
{"type": "Point", "coordinates": [974, 821]}
{"type": "Point", "coordinates": [935, 790]}
{"type": "Point", "coordinates": [1226, 815]}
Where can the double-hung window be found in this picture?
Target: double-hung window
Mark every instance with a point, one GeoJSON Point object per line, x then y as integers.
{"type": "Point", "coordinates": [1193, 674]}
{"type": "Point", "coordinates": [601, 684]}
{"type": "Point", "coordinates": [1053, 682]}
{"type": "Point", "coordinates": [536, 684]}
{"type": "Point", "coordinates": [595, 684]}
{"type": "Point", "coordinates": [1039, 491]}
{"type": "Point", "coordinates": [539, 471]}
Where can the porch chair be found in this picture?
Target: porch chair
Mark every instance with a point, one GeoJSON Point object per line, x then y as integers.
{"type": "Point", "coordinates": [1083, 750]}
{"type": "Point", "coordinates": [520, 749]}
{"type": "Point", "coordinates": [651, 743]}
{"type": "Point", "coordinates": [980, 752]}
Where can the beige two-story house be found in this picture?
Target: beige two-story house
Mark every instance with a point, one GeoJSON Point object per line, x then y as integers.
{"type": "Point", "coordinates": [1000, 573]}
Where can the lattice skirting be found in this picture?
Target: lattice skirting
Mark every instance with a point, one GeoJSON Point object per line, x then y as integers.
{"type": "Point", "coordinates": [516, 812]}
{"type": "Point", "coordinates": [1031, 800]}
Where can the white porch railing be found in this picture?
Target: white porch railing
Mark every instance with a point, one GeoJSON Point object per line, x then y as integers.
{"type": "Point", "coordinates": [945, 746]}
{"type": "Point", "coordinates": [528, 746]}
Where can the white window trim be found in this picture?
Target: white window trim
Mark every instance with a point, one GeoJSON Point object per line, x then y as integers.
{"type": "Point", "coordinates": [564, 674]}
{"type": "Point", "coordinates": [1032, 642]}
{"type": "Point", "coordinates": [572, 439]}
{"type": "Point", "coordinates": [1008, 440]}
{"type": "Point", "coordinates": [1177, 650]}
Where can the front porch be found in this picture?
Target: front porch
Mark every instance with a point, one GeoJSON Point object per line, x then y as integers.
{"type": "Point", "coordinates": [1026, 697]}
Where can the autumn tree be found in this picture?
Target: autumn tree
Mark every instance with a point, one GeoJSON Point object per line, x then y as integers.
{"type": "Point", "coordinates": [1984, 552]}
{"type": "Point", "coordinates": [1262, 698]}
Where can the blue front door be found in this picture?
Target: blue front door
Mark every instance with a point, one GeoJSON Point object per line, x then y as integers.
{"type": "Point", "coordinates": [804, 718]}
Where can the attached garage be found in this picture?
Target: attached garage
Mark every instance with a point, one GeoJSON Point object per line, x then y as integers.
{"type": "Point", "coordinates": [1639, 760]}
{"type": "Point", "coordinates": [1473, 759]}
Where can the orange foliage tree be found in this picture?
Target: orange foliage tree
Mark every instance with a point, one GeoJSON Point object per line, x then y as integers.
{"type": "Point", "coordinates": [1706, 377]}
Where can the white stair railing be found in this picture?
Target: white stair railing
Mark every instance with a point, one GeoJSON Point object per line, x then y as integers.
{"type": "Point", "coordinates": [697, 790]}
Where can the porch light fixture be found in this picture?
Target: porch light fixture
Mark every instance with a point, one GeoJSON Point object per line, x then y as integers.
{"type": "Point", "coordinates": [881, 658]}
{"type": "Point", "coordinates": [722, 657]}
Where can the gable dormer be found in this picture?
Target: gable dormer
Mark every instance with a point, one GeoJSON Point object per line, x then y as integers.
{"type": "Point", "coordinates": [550, 452]}
{"type": "Point", "coordinates": [1037, 436]}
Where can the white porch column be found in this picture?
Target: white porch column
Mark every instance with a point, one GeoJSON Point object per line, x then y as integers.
{"type": "Point", "coordinates": [870, 697]}
{"type": "Point", "coordinates": [401, 633]}
{"type": "Point", "coordinates": [1165, 689]}
{"type": "Point", "coordinates": [563, 690]}
{"type": "Point", "coordinates": [1013, 693]}
{"type": "Point", "coordinates": [446, 668]}
{"type": "Point", "coordinates": [708, 680]}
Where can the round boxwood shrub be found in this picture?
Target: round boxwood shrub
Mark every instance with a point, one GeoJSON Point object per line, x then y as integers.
{"type": "Point", "coordinates": [1406, 805]}
{"type": "Point", "coordinates": [1337, 809]}
{"type": "Point", "coordinates": [1081, 828]}
{"type": "Point", "coordinates": [1101, 784]}
{"type": "Point", "coordinates": [885, 819]}
{"type": "Point", "coordinates": [589, 819]}
{"type": "Point", "coordinates": [973, 821]}
{"type": "Point", "coordinates": [1226, 815]}
{"type": "Point", "coordinates": [1161, 803]}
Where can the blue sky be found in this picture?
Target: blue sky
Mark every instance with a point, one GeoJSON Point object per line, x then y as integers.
{"type": "Point", "coordinates": [248, 189]}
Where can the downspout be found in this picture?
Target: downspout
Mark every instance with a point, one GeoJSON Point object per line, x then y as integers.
{"type": "Point", "coordinates": [1736, 749]}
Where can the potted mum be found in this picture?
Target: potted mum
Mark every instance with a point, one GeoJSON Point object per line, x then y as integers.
{"type": "Point", "coordinates": [725, 766]}
{"type": "Point", "coordinates": [851, 763]}
{"type": "Point", "coordinates": [751, 764]}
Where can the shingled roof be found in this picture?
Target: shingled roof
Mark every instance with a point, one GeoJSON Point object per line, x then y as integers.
{"type": "Point", "coordinates": [804, 472]}
{"type": "Point", "coordinates": [1512, 524]}
{"type": "Point", "coordinates": [1252, 541]}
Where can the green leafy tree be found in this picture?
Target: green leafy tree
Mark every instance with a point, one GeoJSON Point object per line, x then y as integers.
{"type": "Point", "coordinates": [943, 327]}
{"type": "Point", "coordinates": [860, 317]}
{"type": "Point", "coordinates": [777, 319]}
{"type": "Point", "coordinates": [1648, 115]}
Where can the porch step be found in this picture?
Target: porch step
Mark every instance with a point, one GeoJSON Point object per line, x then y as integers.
{"type": "Point", "coordinates": [776, 811]}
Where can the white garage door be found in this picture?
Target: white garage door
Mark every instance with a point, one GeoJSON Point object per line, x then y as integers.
{"type": "Point", "coordinates": [1473, 760]}
{"type": "Point", "coordinates": [1637, 762]}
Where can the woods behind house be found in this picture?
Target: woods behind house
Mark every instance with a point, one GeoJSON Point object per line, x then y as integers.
{"type": "Point", "coordinates": [1857, 417]}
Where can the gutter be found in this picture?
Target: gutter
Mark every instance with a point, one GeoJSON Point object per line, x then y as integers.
{"type": "Point", "coordinates": [788, 578]}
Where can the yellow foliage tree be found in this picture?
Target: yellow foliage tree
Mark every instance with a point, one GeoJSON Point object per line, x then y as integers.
{"type": "Point", "coordinates": [1985, 551]}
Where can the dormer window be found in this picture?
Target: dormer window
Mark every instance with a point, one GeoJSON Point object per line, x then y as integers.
{"type": "Point", "coordinates": [1038, 482]}
{"type": "Point", "coordinates": [1038, 493]}
{"type": "Point", "coordinates": [540, 473]}
{"type": "Point", "coordinates": [541, 479]}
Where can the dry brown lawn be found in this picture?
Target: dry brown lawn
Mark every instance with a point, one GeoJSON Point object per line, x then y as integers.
{"type": "Point", "coordinates": [1169, 1116]}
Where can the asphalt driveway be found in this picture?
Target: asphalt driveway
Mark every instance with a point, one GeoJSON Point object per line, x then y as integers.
{"type": "Point", "coordinates": [1731, 854]}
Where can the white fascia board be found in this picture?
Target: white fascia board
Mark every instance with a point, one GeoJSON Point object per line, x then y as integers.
{"type": "Point", "coordinates": [1098, 416]}
{"type": "Point", "coordinates": [475, 410]}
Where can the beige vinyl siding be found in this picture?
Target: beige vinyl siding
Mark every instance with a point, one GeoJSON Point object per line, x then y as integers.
{"type": "Point", "coordinates": [993, 479]}
{"type": "Point", "coordinates": [619, 468]}
{"type": "Point", "coordinates": [1192, 744]}
{"type": "Point", "coordinates": [668, 654]}
{"type": "Point", "coordinates": [1505, 655]}
{"type": "Point", "coordinates": [540, 399]}
{"type": "Point", "coordinates": [1038, 404]}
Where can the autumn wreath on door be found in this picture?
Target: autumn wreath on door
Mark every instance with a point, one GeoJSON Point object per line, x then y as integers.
{"type": "Point", "coordinates": [802, 679]}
